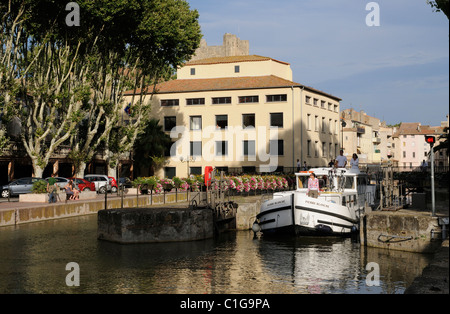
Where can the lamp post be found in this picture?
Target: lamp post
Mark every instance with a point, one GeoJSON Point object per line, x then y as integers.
{"type": "Point", "coordinates": [431, 140]}
{"type": "Point", "coordinates": [187, 160]}
{"type": "Point", "coordinates": [343, 124]}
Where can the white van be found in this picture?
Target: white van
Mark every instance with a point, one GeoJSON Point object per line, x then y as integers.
{"type": "Point", "coordinates": [101, 182]}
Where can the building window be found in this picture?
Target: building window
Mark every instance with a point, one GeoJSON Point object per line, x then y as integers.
{"type": "Point", "coordinates": [170, 172]}
{"type": "Point", "coordinates": [414, 154]}
{"type": "Point", "coordinates": [308, 122]}
{"type": "Point", "coordinates": [330, 125]}
{"type": "Point", "coordinates": [308, 148]}
{"type": "Point", "coordinates": [192, 71]}
{"type": "Point", "coordinates": [195, 170]}
{"type": "Point", "coordinates": [276, 98]}
{"type": "Point", "coordinates": [316, 149]}
{"type": "Point", "coordinates": [308, 100]}
{"type": "Point", "coordinates": [195, 101]}
{"type": "Point", "coordinates": [249, 169]}
{"type": "Point", "coordinates": [330, 106]}
{"type": "Point", "coordinates": [276, 120]}
{"type": "Point", "coordinates": [276, 147]}
{"type": "Point", "coordinates": [221, 121]}
{"type": "Point", "coordinates": [323, 125]}
{"type": "Point", "coordinates": [221, 100]}
{"type": "Point", "coordinates": [222, 148]}
{"type": "Point", "coordinates": [336, 108]}
{"type": "Point", "coordinates": [195, 123]}
{"type": "Point", "coordinates": [322, 104]}
{"type": "Point", "coordinates": [170, 102]}
{"type": "Point", "coordinates": [324, 149]}
{"type": "Point", "coordinates": [169, 123]}
{"type": "Point", "coordinates": [249, 148]}
{"type": "Point", "coordinates": [316, 102]}
{"type": "Point", "coordinates": [404, 154]}
{"type": "Point", "coordinates": [316, 123]}
{"type": "Point", "coordinates": [248, 99]}
{"type": "Point", "coordinates": [248, 120]}
{"type": "Point", "coordinates": [195, 148]}
{"type": "Point", "coordinates": [237, 69]}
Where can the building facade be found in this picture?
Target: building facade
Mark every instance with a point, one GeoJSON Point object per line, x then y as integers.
{"type": "Point", "coordinates": [244, 113]}
{"type": "Point", "coordinates": [412, 149]}
{"type": "Point", "coordinates": [362, 135]}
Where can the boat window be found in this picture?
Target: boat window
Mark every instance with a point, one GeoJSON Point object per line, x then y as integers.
{"type": "Point", "coordinates": [349, 182]}
{"type": "Point", "coordinates": [323, 181]}
{"type": "Point", "coordinates": [302, 182]}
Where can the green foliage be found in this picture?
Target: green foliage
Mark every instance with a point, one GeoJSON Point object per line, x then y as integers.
{"type": "Point", "coordinates": [39, 186]}
{"type": "Point", "coordinates": [440, 5]}
{"type": "Point", "coordinates": [57, 67]}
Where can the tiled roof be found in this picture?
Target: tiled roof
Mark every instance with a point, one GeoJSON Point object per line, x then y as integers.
{"type": "Point", "coordinates": [415, 128]}
{"type": "Point", "coordinates": [227, 83]}
{"type": "Point", "coordinates": [232, 59]}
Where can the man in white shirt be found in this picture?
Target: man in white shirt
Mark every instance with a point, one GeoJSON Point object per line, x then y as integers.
{"type": "Point", "coordinates": [341, 160]}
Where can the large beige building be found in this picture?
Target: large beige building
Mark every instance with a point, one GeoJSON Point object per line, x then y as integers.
{"type": "Point", "coordinates": [244, 113]}
{"type": "Point", "coordinates": [361, 135]}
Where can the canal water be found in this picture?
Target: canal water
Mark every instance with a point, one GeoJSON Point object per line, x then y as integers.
{"type": "Point", "coordinates": [33, 259]}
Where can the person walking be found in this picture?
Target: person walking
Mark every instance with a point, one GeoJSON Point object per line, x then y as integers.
{"type": "Point", "coordinates": [298, 165]}
{"type": "Point", "coordinates": [313, 186]}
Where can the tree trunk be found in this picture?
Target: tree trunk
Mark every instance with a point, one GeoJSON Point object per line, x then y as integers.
{"type": "Point", "coordinates": [37, 170]}
{"type": "Point", "coordinates": [81, 169]}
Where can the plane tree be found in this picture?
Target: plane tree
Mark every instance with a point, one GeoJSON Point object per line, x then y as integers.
{"type": "Point", "coordinates": [66, 84]}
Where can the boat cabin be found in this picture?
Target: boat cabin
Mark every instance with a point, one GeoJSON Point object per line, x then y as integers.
{"type": "Point", "coordinates": [337, 185]}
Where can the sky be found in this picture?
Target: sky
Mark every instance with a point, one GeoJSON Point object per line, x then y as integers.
{"type": "Point", "coordinates": [397, 71]}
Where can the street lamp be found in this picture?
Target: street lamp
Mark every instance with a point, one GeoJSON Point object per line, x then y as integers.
{"type": "Point", "coordinates": [431, 140]}
{"type": "Point", "coordinates": [187, 160]}
{"type": "Point", "coordinates": [343, 124]}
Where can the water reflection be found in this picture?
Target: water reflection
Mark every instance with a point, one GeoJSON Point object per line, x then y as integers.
{"type": "Point", "coordinates": [34, 256]}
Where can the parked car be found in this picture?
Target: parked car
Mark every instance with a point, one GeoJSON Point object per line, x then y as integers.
{"type": "Point", "coordinates": [83, 185]}
{"type": "Point", "coordinates": [60, 181]}
{"type": "Point", "coordinates": [101, 182]}
{"type": "Point", "coordinates": [19, 186]}
{"type": "Point", "coordinates": [113, 183]}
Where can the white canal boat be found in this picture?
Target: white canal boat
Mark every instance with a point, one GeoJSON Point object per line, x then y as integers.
{"type": "Point", "coordinates": [344, 193]}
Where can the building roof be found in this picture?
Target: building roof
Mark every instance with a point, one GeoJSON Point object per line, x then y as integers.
{"type": "Point", "coordinates": [232, 59]}
{"type": "Point", "coordinates": [415, 128]}
{"type": "Point", "coordinates": [226, 83]}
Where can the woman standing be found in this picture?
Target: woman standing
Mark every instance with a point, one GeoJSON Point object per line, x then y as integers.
{"type": "Point", "coordinates": [313, 186]}
{"type": "Point", "coordinates": [354, 162]}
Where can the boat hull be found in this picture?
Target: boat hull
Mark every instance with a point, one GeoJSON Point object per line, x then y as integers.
{"type": "Point", "coordinates": [300, 215]}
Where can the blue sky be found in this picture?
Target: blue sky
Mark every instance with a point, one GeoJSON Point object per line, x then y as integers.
{"type": "Point", "coordinates": [397, 72]}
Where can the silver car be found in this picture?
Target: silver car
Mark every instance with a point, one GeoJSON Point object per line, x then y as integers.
{"type": "Point", "coordinates": [19, 186]}
{"type": "Point", "coordinates": [101, 182]}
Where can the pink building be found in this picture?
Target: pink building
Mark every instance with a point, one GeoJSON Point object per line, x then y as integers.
{"type": "Point", "coordinates": [410, 146]}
